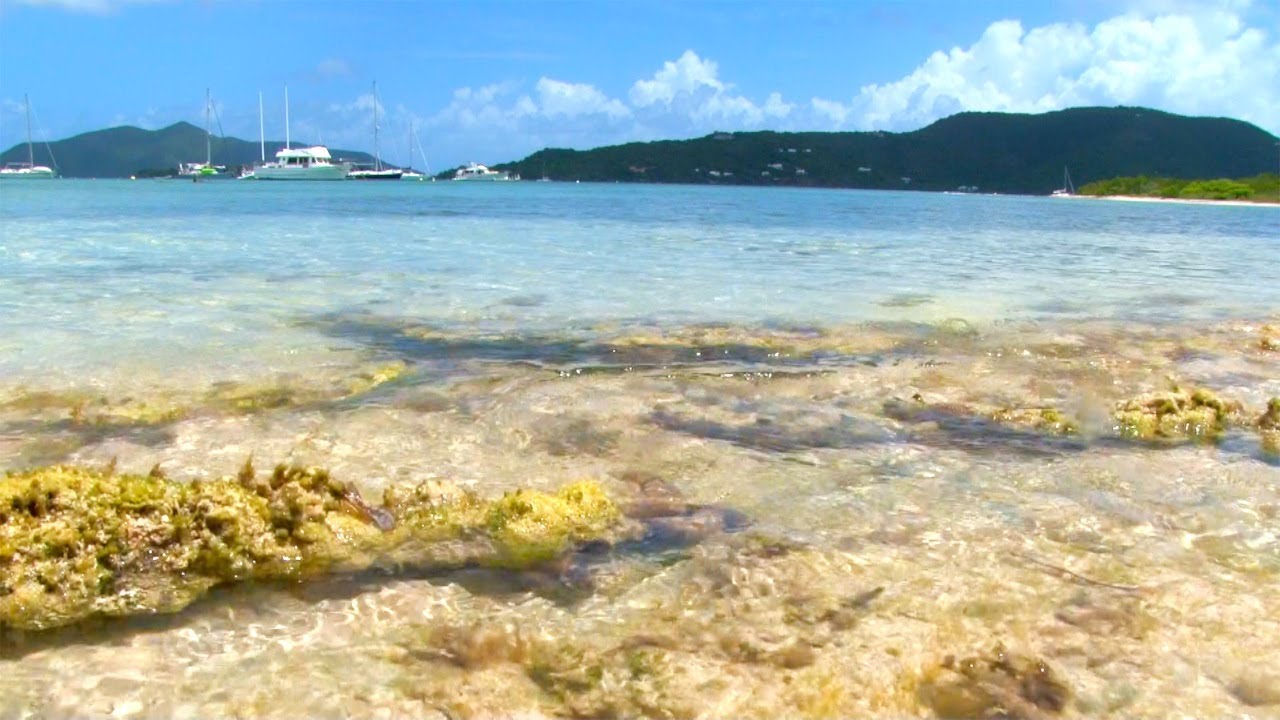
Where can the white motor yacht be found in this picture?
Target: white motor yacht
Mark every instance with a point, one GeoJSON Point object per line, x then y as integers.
{"type": "Point", "coordinates": [313, 163]}
{"type": "Point", "coordinates": [477, 172]}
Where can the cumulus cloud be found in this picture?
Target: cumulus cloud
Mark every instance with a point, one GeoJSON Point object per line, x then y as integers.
{"type": "Point", "coordinates": [557, 98]}
{"type": "Point", "coordinates": [686, 76]}
{"type": "Point", "coordinates": [1203, 62]}
{"type": "Point", "coordinates": [687, 95]}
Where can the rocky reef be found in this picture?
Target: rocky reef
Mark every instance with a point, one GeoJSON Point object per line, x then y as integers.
{"type": "Point", "coordinates": [1176, 414]}
{"type": "Point", "coordinates": [1269, 427]}
{"type": "Point", "coordinates": [78, 542]}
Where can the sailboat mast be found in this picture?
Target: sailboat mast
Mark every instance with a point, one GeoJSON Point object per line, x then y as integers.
{"type": "Point", "coordinates": [377, 157]}
{"type": "Point", "coordinates": [286, 117]}
{"type": "Point", "coordinates": [208, 134]}
{"type": "Point", "coordinates": [262, 129]}
{"type": "Point", "coordinates": [31, 155]}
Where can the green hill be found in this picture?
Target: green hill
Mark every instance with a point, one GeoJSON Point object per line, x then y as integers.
{"type": "Point", "coordinates": [985, 152]}
{"type": "Point", "coordinates": [124, 151]}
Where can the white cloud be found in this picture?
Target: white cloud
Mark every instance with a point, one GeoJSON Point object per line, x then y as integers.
{"type": "Point", "coordinates": [775, 107]}
{"type": "Point", "coordinates": [1203, 62]}
{"type": "Point", "coordinates": [685, 76]}
{"type": "Point", "coordinates": [686, 95]}
{"type": "Point", "coordinates": [558, 98]}
{"type": "Point", "coordinates": [97, 7]}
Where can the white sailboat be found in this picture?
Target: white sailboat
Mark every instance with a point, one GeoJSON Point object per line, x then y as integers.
{"type": "Point", "coordinates": [1067, 189]}
{"type": "Point", "coordinates": [377, 172]}
{"type": "Point", "coordinates": [312, 163]}
{"type": "Point", "coordinates": [205, 170]}
{"type": "Point", "coordinates": [412, 174]}
{"type": "Point", "coordinates": [28, 170]}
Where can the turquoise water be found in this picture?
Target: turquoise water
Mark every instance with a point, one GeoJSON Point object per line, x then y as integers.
{"type": "Point", "coordinates": [91, 271]}
{"type": "Point", "coordinates": [863, 434]}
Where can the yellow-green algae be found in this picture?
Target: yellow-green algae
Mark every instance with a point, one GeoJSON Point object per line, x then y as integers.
{"type": "Point", "coordinates": [1269, 427]}
{"type": "Point", "coordinates": [1176, 414]}
{"type": "Point", "coordinates": [78, 542]}
{"type": "Point", "coordinates": [1048, 420]}
{"type": "Point", "coordinates": [995, 684]}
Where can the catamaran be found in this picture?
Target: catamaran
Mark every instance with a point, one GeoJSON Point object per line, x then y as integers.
{"type": "Point", "coordinates": [377, 172]}
{"type": "Point", "coordinates": [205, 170]}
{"type": "Point", "coordinates": [28, 170]}
{"type": "Point", "coordinates": [313, 163]}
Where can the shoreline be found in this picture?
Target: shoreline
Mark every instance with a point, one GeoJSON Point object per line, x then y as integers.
{"type": "Point", "coordinates": [1175, 201]}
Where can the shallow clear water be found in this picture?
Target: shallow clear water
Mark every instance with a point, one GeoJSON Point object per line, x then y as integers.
{"type": "Point", "coordinates": [223, 271]}
{"type": "Point", "coordinates": [821, 373]}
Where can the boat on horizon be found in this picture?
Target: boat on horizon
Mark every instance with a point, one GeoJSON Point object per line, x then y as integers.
{"type": "Point", "coordinates": [377, 172]}
{"type": "Point", "coordinates": [311, 163]}
{"type": "Point", "coordinates": [28, 170]}
{"type": "Point", "coordinates": [1067, 189]}
{"type": "Point", "coordinates": [410, 173]}
{"type": "Point", "coordinates": [205, 170]}
{"type": "Point", "coordinates": [475, 172]}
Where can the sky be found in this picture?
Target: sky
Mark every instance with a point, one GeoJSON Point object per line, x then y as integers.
{"type": "Point", "coordinates": [490, 81]}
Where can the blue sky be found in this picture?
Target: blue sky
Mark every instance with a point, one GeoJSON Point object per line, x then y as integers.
{"type": "Point", "coordinates": [492, 81]}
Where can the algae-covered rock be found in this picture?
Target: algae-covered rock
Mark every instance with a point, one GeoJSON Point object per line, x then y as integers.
{"type": "Point", "coordinates": [1174, 415]}
{"type": "Point", "coordinates": [1049, 420]}
{"type": "Point", "coordinates": [995, 684]}
{"type": "Point", "coordinates": [1269, 427]}
{"type": "Point", "coordinates": [76, 542]}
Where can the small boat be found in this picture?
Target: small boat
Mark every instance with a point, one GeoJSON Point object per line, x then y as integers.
{"type": "Point", "coordinates": [313, 163]}
{"type": "Point", "coordinates": [205, 170]}
{"type": "Point", "coordinates": [377, 172]}
{"type": "Point", "coordinates": [410, 173]}
{"type": "Point", "coordinates": [1067, 189]}
{"type": "Point", "coordinates": [28, 170]}
{"type": "Point", "coordinates": [474, 172]}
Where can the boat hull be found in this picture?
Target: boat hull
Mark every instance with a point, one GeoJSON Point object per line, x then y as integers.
{"type": "Point", "coordinates": [323, 172]}
{"type": "Point", "coordinates": [38, 174]}
{"type": "Point", "coordinates": [375, 174]}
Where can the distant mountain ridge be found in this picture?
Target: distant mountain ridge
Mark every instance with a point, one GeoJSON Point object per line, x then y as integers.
{"type": "Point", "coordinates": [125, 150]}
{"type": "Point", "coordinates": [982, 152]}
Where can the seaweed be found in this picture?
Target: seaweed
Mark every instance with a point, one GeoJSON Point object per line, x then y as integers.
{"type": "Point", "coordinates": [1174, 415]}
{"type": "Point", "coordinates": [78, 542]}
{"type": "Point", "coordinates": [996, 684]}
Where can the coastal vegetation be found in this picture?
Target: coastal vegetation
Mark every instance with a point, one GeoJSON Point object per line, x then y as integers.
{"type": "Point", "coordinates": [968, 152]}
{"type": "Point", "coordinates": [1264, 187]}
{"type": "Point", "coordinates": [120, 152]}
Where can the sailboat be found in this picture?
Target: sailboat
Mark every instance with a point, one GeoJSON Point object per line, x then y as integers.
{"type": "Point", "coordinates": [313, 163]}
{"type": "Point", "coordinates": [412, 174]}
{"type": "Point", "coordinates": [205, 170]}
{"type": "Point", "coordinates": [378, 172]}
{"type": "Point", "coordinates": [1067, 189]}
{"type": "Point", "coordinates": [28, 170]}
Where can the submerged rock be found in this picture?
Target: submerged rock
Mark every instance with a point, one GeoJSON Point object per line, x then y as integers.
{"type": "Point", "coordinates": [1269, 427]}
{"type": "Point", "coordinates": [995, 684]}
{"type": "Point", "coordinates": [76, 542]}
{"type": "Point", "coordinates": [1048, 420]}
{"type": "Point", "coordinates": [1175, 415]}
